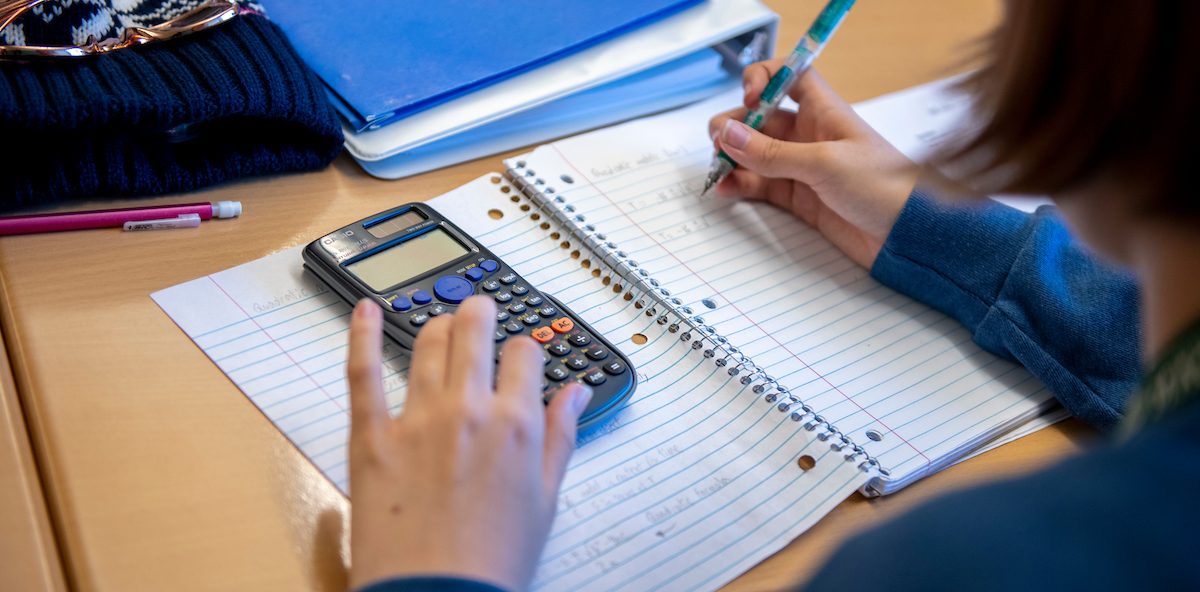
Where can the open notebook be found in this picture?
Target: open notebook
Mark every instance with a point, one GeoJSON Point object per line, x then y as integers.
{"type": "Point", "coordinates": [776, 377]}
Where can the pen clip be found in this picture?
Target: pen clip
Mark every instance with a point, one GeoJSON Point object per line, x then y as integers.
{"type": "Point", "coordinates": [180, 221]}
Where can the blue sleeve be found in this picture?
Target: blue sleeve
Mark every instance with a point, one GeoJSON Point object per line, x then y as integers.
{"type": "Point", "coordinates": [430, 584]}
{"type": "Point", "coordinates": [1028, 292]}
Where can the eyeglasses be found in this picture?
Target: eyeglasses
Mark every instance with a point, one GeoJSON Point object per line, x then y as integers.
{"type": "Point", "coordinates": [205, 16]}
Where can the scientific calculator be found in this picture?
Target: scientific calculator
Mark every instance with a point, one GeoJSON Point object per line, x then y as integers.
{"type": "Point", "coordinates": [417, 265]}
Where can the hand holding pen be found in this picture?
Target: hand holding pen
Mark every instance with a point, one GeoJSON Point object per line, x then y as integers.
{"type": "Point", "coordinates": [794, 66]}
{"type": "Point", "coordinates": [821, 163]}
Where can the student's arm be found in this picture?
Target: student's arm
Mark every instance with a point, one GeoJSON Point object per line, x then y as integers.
{"type": "Point", "coordinates": [1027, 291]}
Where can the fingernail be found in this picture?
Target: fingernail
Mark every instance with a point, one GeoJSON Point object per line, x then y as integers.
{"type": "Point", "coordinates": [735, 135]}
{"type": "Point", "coordinates": [581, 396]}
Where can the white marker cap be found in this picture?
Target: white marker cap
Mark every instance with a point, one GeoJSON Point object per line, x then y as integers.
{"type": "Point", "coordinates": [227, 209]}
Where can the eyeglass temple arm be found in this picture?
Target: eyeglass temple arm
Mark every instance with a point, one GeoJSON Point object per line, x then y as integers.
{"type": "Point", "coordinates": [10, 11]}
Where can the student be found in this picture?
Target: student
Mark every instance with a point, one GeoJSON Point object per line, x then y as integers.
{"type": "Point", "coordinates": [1096, 105]}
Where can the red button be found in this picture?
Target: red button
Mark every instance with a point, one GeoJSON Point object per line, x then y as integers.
{"type": "Point", "coordinates": [542, 334]}
{"type": "Point", "coordinates": [562, 325]}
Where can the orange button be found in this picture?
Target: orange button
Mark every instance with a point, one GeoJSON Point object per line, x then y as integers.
{"type": "Point", "coordinates": [562, 325]}
{"type": "Point", "coordinates": [543, 334]}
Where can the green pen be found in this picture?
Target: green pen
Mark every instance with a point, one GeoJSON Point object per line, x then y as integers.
{"type": "Point", "coordinates": [794, 67]}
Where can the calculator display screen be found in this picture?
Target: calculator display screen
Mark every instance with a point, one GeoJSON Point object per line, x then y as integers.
{"type": "Point", "coordinates": [407, 259]}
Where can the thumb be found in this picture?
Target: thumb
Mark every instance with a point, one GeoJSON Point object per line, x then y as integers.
{"type": "Point", "coordinates": [562, 416]}
{"type": "Point", "coordinates": [768, 156]}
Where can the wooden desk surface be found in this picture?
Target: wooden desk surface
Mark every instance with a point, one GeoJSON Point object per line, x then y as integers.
{"type": "Point", "coordinates": [161, 475]}
{"type": "Point", "coordinates": [28, 555]}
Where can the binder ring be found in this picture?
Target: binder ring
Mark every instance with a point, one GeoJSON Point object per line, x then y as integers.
{"type": "Point", "coordinates": [676, 316]}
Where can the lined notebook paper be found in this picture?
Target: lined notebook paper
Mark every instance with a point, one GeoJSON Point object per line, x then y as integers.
{"type": "Point", "coordinates": [692, 484]}
{"type": "Point", "coordinates": [901, 379]}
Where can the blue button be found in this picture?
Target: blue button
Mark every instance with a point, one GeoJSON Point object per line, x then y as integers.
{"type": "Point", "coordinates": [421, 297]}
{"type": "Point", "coordinates": [489, 265]}
{"type": "Point", "coordinates": [401, 303]}
{"type": "Point", "coordinates": [452, 289]}
{"type": "Point", "coordinates": [474, 274]}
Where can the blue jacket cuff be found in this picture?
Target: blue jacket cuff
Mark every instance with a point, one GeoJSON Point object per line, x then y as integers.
{"type": "Point", "coordinates": [955, 258]}
{"type": "Point", "coordinates": [430, 584]}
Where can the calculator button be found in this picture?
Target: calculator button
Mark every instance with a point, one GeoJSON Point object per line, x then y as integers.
{"type": "Point", "coordinates": [438, 309]}
{"type": "Point", "coordinates": [614, 367]}
{"type": "Point", "coordinates": [421, 297]}
{"type": "Point", "coordinates": [531, 319]}
{"type": "Point", "coordinates": [547, 311]}
{"type": "Point", "coordinates": [452, 289]}
{"type": "Point", "coordinates": [513, 327]}
{"type": "Point", "coordinates": [542, 334]}
{"type": "Point", "coordinates": [557, 373]}
{"type": "Point", "coordinates": [520, 290]}
{"type": "Point", "coordinates": [559, 348]}
{"type": "Point", "coordinates": [534, 300]}
{"type": "Point", "coordinates": [502, 316]}
{"type": "Point", "coordinates": [503, 297]}
{"type": "Point", "coordinates": [546, 359]}
{"type": "Point", "coordinates": [401, 303]}
{"type": "Point", "coordinates": [490, 286]}
{"type": "Point", "coordinates": [579, 339]}
{"type": "Point", "coordinates": [576, 362]}
{"type": "Point", "coordinates": [418, 319]}
{"type": "Point", "coordinates": [501, 336]}
{"type": "Point", "coordinates": [597, 353]}
{"type": "Point", "coordinates": [508, 278]}
{"type": "Point", "coordinates": [516, 308]}
{"type": "Point", "coordinates": [595, 377]}
{"type": "Point", "coordinates": [562, 325]}
{"type": "Point", "coordinates": [489, 265]}
{"type": "Point", "coordinates": [474, 274]}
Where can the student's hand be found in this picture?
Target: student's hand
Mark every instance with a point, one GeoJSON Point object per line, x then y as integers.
{"type": "Point", "coordinates": [465, 481]}
{"type": "Point", "coordinates": [823, 163]}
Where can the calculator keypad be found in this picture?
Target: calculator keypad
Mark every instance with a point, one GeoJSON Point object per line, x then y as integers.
{"type": "Point", "coordinates": [569, 351]}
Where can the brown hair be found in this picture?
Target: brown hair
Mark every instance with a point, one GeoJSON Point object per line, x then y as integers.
{"type": "Point", "coordinates": [1073, 91]}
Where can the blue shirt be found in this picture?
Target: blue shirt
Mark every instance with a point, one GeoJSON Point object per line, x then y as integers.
{"type": "Point", "coordinates": [1119, 516]}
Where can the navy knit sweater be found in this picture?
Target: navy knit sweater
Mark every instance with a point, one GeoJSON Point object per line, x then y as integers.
{"type": "Point", "coordinates": [227, 103]}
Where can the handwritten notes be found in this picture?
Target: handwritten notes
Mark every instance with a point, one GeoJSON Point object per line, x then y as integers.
{"type": "Point", "coordinates": [864, 357]}
{"type": "Point", "coordinates": [690, 485]}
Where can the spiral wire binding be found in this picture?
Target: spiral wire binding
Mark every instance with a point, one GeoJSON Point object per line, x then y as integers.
{"type": "Point", "coordinates": [649, 295]}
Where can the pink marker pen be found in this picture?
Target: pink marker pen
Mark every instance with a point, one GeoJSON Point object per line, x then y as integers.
{"type": "Point", "coordinates": [35, 223]}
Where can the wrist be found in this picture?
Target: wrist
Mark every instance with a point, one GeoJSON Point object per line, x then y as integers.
{"type": "Point", "coordinates": [890, 202]}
